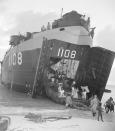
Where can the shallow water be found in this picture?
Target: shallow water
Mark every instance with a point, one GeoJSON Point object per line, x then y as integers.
{"type": "Point", "coordinates": [15, 103]}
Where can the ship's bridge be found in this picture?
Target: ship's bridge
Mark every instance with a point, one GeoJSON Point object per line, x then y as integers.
{"type": "Point", "coordinates": [72, 27]}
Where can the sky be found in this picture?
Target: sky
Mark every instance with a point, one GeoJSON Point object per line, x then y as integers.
{"type": "Point", "coordinates": [21, 16]}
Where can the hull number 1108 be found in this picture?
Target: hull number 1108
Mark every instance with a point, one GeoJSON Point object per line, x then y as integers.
{"type": "Point", "coordinates": [15, 59]}
{"type": "Point", "coordinates": [66, 53]}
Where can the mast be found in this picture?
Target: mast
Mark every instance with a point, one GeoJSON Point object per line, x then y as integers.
{"type": "Point", "coordinates": [61, 12]}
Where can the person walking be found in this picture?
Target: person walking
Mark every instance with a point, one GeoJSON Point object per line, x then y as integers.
{"type": "Point", "coordinates": [68, 101]}
{"type": "Point", "coordinates": [94, 103]}
{"type": "Point", "coordinates": [99, 111]}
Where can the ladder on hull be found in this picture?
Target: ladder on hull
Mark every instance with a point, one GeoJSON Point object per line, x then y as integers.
{"type": "Point", "coordinates": [37, 74]}
{"type": "Point", "coordinates": [41, 65]}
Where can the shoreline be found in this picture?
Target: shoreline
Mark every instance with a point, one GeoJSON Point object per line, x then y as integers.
{"type": "Point", "coordinates": [80, 121]}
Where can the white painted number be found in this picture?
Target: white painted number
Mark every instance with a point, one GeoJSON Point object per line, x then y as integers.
{"type": "Point", "coordinates": [19, 58]}
{"type": "Point", "coordinates": [66, 53]}
{"type": "Point", "coordinates": [60, 52]}
{"type": "Point", "coordinates": [73, 53]}
{"type": "Point", "coordinates": [15, 59]}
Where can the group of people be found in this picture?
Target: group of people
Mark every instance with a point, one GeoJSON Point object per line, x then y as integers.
{"type": "Point", "coordinates": [96, 106]}
{"type": "Point", "coordinates": [109, 105]}
{"type": "Point", "coordinates": [75, 91]}
{"type": "Point", "coordinates": [81, 93]}
{"type": "Point", "coordinates": [43, 28]}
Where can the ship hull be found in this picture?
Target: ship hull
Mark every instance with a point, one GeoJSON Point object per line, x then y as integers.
{"type": "Point", "coordinates": [19, 77]}
{"type": "Point", "coordinates": [69, 54]}
{"type": "Point", "coordinates": [20, 62]}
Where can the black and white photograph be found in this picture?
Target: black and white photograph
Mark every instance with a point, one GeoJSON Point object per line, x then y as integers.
{"type": "Point", "coordinates": [57, 67]}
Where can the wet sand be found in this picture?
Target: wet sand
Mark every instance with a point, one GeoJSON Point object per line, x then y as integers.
{"type": "Point", "coordinates": [16, 105]}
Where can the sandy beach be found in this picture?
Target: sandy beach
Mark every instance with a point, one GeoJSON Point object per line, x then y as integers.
{"type": "Point", "coordinates": [17, 105]}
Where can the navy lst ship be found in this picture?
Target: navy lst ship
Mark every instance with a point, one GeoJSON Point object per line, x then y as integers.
{"type": "Point", "coordinates": [38, 62]}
